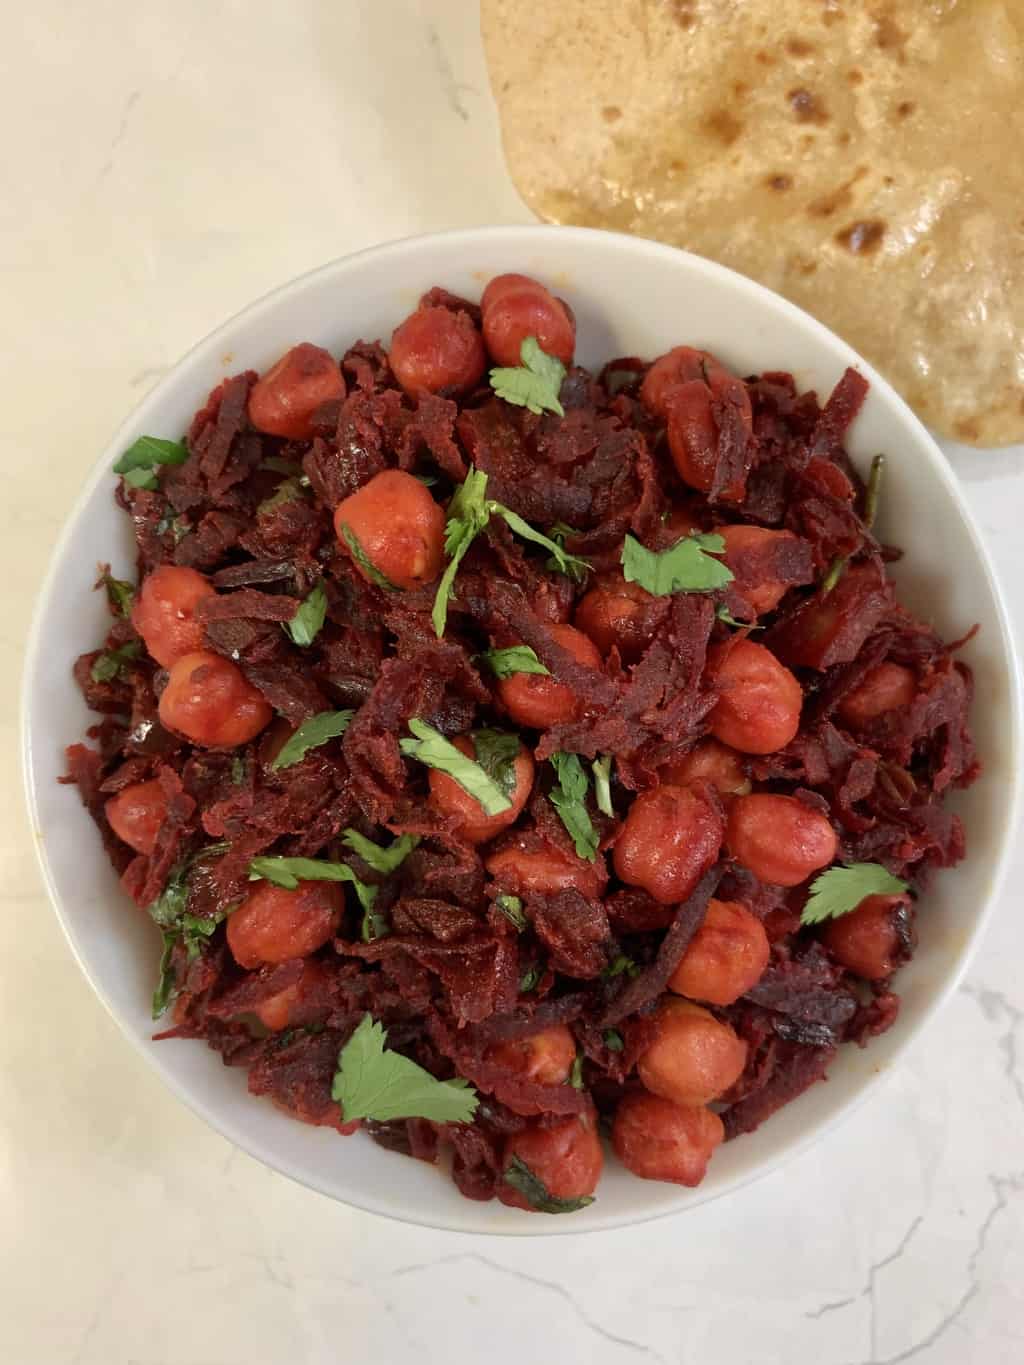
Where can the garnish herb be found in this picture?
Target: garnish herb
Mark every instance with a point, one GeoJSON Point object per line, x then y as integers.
{"type": "Point", "coordinates": [120, 593]}
{"type": "Point", "coordinates": [288, 872]}
{"type": "Point", "coordinates": [305, 625]}
{"type": "Point", "coordinates": [496, 752]}
{"type": "Point", "coordinates": [430, 747]}
{"type": "Point", "coordinates": [468, 514]}
{"type": "Point", "coordinates": [109, 664]}
{"type": "Point", "coordinates": [139, 462]}
{"type": "Point", "coordinates": [576, 1074]}
{"type": "Point", "coordinates": [372, 1082]}
{"type": "Point", "coordinates": [619, 965]}
{"type": "Point", "coordinates": [237, 771]}
{"type": "Point", "coordinates": [311, 734]}
{"type": "Point", "coordinates": [575, 567]}
{"type": "Point", "coordinates": [169, 913]}
{"type": "Point", "coordinates": [364, 561]}
{"type": "Point", "coordinates": [569, 798]}
{"type": "Point", "coordinates": [512, 908]}
{"type": "Point", "coordinates": [613, 1040]}
{"type": "Point", "coordinates": [530, 978]}
{"type": "Point", "coordinates": [841, 889]}
{"type": "Point", "coordinates": [535, 1192]}
{"type": "Point", "coordinates": [516, 659]}
{"type": "Point", "coordinates": [688, 566]}
{"type": "Point", "coordinates": [724, 614]}
{"type": "Point", "coordinates": [602, 770]}
{"type": "Point", "coordinates": [382, 860]}
{"type": "Point", "coordinates": [288, 491]}
{"type": "Point", "coordinates": [838, 566]}
{"type": "Point", "coordinates": [535, 383]}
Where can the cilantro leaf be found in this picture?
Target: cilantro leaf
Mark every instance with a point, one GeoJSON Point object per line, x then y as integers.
{"type": "Point", "coordinates": [620, 965]}
{"type": "Point", "coordinates": [431, 747]}
{"type": "Point", "coordinates": [602, 770]}
{"type": "Point", "coordinates": [305, 625]}
{"type": "Point", "coordinates": [383, 860]}
{"type": "Point", "coordinates": [841, 889]}
{"type": "Point", "coordinates": [535, 383]}
{"type": "Point", "coordinates": [364, 561]}
{"type": "Point", "coordinates": [310, 735]}
{"type": "Point", "coordinates": [374, 925]}
{"type": "Point", "coordinates": [515, 659]}
{"type": "Point", "coordinates": [288, 872]}
{"type": "Point", "coordinates": [372, 1082]}
{"type": "Point", "coordinates": [168, 912]}
{"type": "Point", "coordinates": [468, 514]}
{"type": "Point", "coordinates": [576, 1074]}
{"type": "Point", "coordinates": [512, 908]}
{"type": "Point", "coordinates": [138, 463]}
{"type": "Point", "coordinates": [687, 567]}
{"type": "Point", "coordinates": [569, 799]}
{"type": "Point", "coordinates": [109, 664]}
{"type": "Point", "coordinates": [120, 593]}
{"type": "Point", "coordinates": [290, 490]}
{"type": "Point", "coordinates": [530, 978]}
{"type": "Point", "coordinates": [613, 1040]}
{"type": "Point", "coordinates": [573, 566]}
{"type": "Point", "coordinates": [723, 614]}
{"type": "Point", "coordinates": [496, 752]}
{"type": "Point", "coordinates": [535, 1192]}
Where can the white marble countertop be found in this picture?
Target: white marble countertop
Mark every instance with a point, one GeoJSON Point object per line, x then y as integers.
{"type": "Point", "coordinates": [165, 164]}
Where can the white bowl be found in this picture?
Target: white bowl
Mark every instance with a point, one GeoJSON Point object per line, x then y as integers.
{"type": "Point", "coordinates": [631, 297]}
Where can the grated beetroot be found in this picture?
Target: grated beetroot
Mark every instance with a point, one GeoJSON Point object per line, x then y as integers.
{"type": "Point", "coordinates": [452, 976]}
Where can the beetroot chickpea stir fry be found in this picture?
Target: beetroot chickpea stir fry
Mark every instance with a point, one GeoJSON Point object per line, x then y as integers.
{"type": "Point", "coordinates": [521, 763]}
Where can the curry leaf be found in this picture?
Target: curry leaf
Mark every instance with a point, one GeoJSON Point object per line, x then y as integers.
{"type": "Point", "coordinates": [535, 1192]}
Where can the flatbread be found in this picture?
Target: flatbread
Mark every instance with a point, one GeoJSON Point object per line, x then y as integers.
{"type": "Point", "coordinates": [863, 157]}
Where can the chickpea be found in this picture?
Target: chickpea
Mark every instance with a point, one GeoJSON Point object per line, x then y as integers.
{"type": "Point", "coordinates": [536, 699]}
{"type": "Point", "coordinates": [283, 400]}
{"type": "Point", "coordinates": [275, 925]}
{"type": "Point", "coordinates": [744, 543]}
{"type": "Point", "coordinates": [709, 761]}
{"type": "Point", "coordinates": [544, 1057]}
{"type": "Point", "coordinates": [437, 350]}
{"type": "Point", "coordinates": [566, 1158]}
{"type": "Point", "coordinates": [397, 526]}
{"type": "Point", "coordinates": [886, 688]}
{"type": "Point", "coordinates": [726, 956]}
{"type": "Point", "coordinates": [449, 798]}
{"type": "Point", "coordinates": [866, 941]}
{"type": "Point", "coordinates": [515, 307]}
{"type": "Point", "coordinates": [681, 387]}
{"type": "Point", "coordinates": [778, 838]}
{"type": "Point", "coordinates": [164, 612]}
{"type": "Point", "coordinates": [209, 700]}
{"type": "Point", "coordinates": [758, 710]}
{"type": "Point", "coordinates": [695, 1057]}
{"type": "Point", "coordinates": [285, 1008]}
{"type": "Point", "coordinates": [136, 813]}
{"type": "Point", "coordinates": [616, 614]}
{"type": "Point", "coordinates": [659, 1140]}
{"type": "Point", "coordinates": [670, 838]}
{"type": "Point", "coordinates": [544, 871]}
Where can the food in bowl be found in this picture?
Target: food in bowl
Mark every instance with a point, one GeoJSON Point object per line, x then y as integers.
{"type": "Point", "coordinates": [510, 753]}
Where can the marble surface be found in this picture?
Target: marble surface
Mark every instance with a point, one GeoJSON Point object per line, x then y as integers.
{"type": "Point", "coordinates": [164, 164]}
